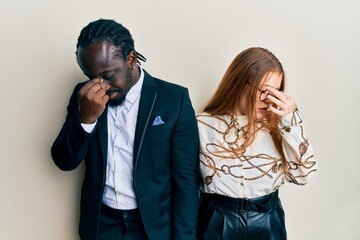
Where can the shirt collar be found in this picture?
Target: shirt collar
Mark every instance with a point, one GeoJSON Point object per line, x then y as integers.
{"type": "Point", "coordinates": [135, 91]}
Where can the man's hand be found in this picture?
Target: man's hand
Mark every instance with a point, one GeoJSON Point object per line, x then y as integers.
{"type": "Point", "coordinates": [92, 100]}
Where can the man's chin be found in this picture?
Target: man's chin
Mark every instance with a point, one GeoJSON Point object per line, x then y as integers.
{"type": "Point", "coordinates": [117, 101]}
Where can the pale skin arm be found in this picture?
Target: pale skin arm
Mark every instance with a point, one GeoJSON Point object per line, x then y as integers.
{"type": "Point", "coordinates": [285, 103]}
{"type": "Point", "coordinates": [297, 149]}
{"type": "Point", "coordinates": [92, 100]}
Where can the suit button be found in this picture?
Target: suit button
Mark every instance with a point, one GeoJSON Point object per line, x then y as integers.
{"type": "Point", "coordinates": [125, 215]}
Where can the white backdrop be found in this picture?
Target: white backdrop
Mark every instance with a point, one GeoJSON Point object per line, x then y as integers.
{"type": "Point", "coordinates": [191, 43]}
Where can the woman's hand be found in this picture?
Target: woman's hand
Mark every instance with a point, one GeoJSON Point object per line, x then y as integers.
{"type": "Point", "coordinates": [285, 103]}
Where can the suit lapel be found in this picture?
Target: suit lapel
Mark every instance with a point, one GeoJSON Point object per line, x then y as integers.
{"type": "Point", "coordinates": [146, 105]}
{"type": "Point", "coordinates": [147, 101]}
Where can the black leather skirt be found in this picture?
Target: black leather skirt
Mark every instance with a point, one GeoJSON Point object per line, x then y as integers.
{"type": "Point", "coordinates": [222, 217]}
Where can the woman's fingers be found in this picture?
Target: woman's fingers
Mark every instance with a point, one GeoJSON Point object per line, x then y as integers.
{"type": "Point", "coordinates": [285, 103]}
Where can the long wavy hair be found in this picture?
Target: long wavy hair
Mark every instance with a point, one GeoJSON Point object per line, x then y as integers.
{"type": "Point", "coordinates": [234, 91]}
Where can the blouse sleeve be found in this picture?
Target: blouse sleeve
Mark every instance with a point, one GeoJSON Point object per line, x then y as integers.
{"type": "Point", "coordinates": [297, 149]}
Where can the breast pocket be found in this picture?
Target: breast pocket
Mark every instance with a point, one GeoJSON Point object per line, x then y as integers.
{"type": "Point", "coordinates": [159, 127]}
{"type": "Point", "coordinates": [159, 134]}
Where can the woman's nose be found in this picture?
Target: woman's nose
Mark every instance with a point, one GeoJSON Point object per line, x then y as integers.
{"type": "Point", "coordinates": [266, 100]}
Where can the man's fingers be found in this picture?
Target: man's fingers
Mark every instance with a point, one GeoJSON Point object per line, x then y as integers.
{"type": "Point", "coordinates": [93, 83]}
{"type": "Point", "coordinates": [105, 98]}
{"type": "Point", "coordinates": [100, 91]}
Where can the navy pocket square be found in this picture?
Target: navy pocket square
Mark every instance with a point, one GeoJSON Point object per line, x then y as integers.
{"type": "Point", "coordinates": [157, 121]}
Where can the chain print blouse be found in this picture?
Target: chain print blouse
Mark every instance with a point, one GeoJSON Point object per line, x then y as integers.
{"type": "Point", "coordinates": [258, 170]}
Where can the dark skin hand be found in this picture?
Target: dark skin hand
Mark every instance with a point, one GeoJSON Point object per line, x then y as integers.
{"type": "Point", "coordinates": [92, 100]}
{"type": "Point", "coordinates": [111, 77]}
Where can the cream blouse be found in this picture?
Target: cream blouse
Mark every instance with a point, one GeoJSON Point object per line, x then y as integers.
{"type": "Point", "coordinates": [258, 170]}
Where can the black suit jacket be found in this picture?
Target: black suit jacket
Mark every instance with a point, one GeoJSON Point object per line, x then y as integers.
{"type": "Point", "coordinates": [165, 161]}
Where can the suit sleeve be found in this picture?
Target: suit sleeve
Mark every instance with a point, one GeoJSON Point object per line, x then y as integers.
{"type": "Point", "coordinates": [185, 149]}
{"type": "Point", "coordinates": [70, 146]}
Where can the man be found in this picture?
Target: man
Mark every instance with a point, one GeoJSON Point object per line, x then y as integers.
{"type": "Point", "coordinates": [138, 137]}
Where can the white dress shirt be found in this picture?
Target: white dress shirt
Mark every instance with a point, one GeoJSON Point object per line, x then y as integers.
{"type": "Point", "coordinates": [119, 187]}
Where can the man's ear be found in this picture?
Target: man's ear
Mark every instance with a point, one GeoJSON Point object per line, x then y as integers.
{"type": "Point", "coordinates": [131, 59]}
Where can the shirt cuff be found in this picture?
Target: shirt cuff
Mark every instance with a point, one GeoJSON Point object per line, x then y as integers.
{"type": "Point", "coordinates": [286, 120]}
{"type": "Point", "coordinates": [292, 119]}
{"type": "Point", "coordinates": [89, 128]}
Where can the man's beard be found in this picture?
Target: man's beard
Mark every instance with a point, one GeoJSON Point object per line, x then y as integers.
{"type": "Point", "coordinates": [121, 93]}
{"type": "Point", "coordinates": [120, 97]}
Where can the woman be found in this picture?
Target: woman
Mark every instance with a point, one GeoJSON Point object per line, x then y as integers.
{"type": "Point", "coordinates": [251, 139]}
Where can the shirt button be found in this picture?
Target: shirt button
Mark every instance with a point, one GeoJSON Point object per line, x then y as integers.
{"type": "Point", "coordinates": [242, 184]}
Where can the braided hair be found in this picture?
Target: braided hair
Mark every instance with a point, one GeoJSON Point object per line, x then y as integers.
{"type": "Point", "coordinates": [109, 31]}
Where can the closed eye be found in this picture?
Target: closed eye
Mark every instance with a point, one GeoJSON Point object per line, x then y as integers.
{"type": "Point", "coordinates": [108, 77]}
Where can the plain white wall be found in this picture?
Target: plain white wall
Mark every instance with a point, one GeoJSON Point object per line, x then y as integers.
{"type": "Point", "coordinates": [191, 43]}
